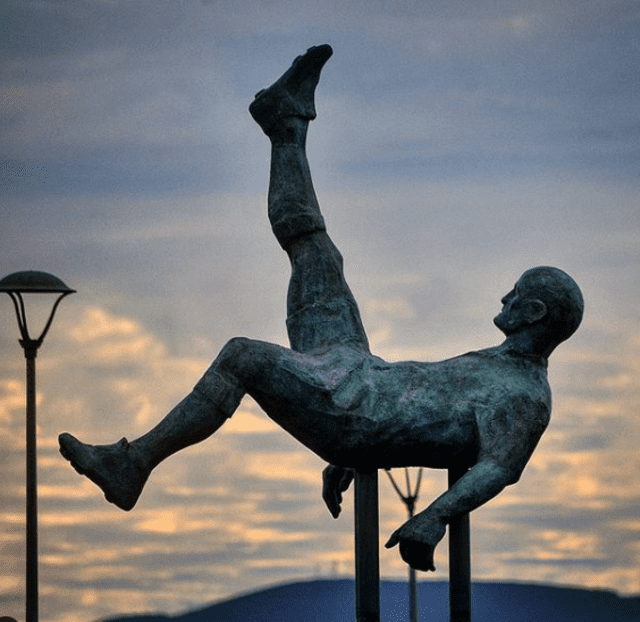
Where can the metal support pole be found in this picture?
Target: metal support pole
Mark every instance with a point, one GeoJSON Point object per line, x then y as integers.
{"type": "Point", "coordinates": [16, 284]}
{"type": "Point", "coordinates": [410, 501]}
{"type": "Point", "coordinates": [32, 492]}
{"type": "Point", "coordinates": [367, 546]}
{"type": "Point", "coordinates": [413, 596]}
{"type": "Point", "coordinates": [459, 561]}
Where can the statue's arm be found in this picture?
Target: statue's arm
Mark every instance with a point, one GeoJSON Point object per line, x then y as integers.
{"type": "Point", "coordinates": [419, 536]}
{"type": "Point", "coordinates": [508, 437]}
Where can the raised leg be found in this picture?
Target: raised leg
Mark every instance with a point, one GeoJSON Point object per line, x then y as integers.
{"type": "Point", "coordinates": [291, 387]}
{"type": "Point", "coordinates": [321, 309]}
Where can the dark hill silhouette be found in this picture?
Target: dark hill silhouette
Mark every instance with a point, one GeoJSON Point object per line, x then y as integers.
{"type": "Point", "coordinates": [333, 601]}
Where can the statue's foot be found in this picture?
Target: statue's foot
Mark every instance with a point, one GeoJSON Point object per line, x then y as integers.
{"type": "Point", "coordinates": [112, 467]}
{"type": "Point", "coordinates": [292, 95]}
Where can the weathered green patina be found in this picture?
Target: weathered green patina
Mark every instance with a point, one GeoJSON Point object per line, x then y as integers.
{"type": "Point", "coordinates": [482, 412]}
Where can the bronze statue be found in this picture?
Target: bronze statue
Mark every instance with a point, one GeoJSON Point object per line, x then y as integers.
{"type": "Point", "coordinates": [484, 410]}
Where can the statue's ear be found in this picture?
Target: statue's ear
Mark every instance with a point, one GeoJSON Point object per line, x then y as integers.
{"type": "Point", "coordinates": [534, 310]}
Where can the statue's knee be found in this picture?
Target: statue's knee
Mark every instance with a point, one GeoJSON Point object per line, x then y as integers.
{"type": "Point", "coordinates": [233, 351]}
{"type": "Point", "coordinates": [246, 359]}
{"type": "Point", "coordinates": [237, 344]}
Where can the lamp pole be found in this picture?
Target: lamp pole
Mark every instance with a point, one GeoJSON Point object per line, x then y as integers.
{"type": "Point", "coordinates": [409, 500]}
{"type": "Point", "coordinates": [16, 284]}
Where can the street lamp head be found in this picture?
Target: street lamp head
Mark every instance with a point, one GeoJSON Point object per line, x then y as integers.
{"type": "Point", "coordinates": [32, 282]}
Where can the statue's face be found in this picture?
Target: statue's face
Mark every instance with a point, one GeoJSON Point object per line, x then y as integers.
{"type": "Point", "coordinates": [512, 318]}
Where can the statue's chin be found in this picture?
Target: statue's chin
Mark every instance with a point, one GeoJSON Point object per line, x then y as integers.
{"type": "Point", "coordinates": [500, 323]}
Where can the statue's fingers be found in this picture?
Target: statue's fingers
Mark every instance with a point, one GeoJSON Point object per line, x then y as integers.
{"type": "Point", "coordinates": [330, 492]}
{"type": "Point", "coordinates": [332, 503]}
{"type": "Point", "coordinates": [331, 508]}
{"type": "Point", "coordinates": [334, 507]}
{"type": "Point", "coordinates": [418, 555]}
{"type": "Point", "coordinates": [393, 540]}
{"type": "Point", "coordinates": [345, 480]}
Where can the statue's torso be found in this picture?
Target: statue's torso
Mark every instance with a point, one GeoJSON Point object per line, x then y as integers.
{"type": "Point", "coordinates": [438, 414]}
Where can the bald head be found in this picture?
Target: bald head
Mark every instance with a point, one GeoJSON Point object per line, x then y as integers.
{"type": "Point", "coordinates": [544, 309]}
{"type": "Point", "coordinates": [560, 294]}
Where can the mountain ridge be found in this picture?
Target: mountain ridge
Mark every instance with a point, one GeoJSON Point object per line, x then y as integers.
{"type": "Point", "coordinates": [332, 600]}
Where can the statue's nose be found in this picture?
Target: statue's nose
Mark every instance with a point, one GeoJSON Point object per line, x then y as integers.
{"type": "Point", "coordinates": [507, 297]}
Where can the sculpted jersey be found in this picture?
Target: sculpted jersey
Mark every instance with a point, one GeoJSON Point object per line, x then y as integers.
{"type": "Point", "coordinates": [414, 413]}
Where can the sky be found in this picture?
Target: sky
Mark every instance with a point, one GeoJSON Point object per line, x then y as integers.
{"type": "Point", "coordinates": [457, 144]}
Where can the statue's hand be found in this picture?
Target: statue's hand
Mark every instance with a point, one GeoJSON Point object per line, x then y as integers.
{"type": "Point", "coordinates": [335, 480]}
{"type": "Point", "coordinates": [418, 538]}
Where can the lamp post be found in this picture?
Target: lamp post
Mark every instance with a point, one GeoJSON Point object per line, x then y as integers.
{"type": "Point", "coordinates": [410, 501]}
{"type": "Point", "coordinates": [16, 284]}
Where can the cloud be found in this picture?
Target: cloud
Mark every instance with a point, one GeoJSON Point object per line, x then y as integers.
{"type": "Point", "coordinates": [164, 85]}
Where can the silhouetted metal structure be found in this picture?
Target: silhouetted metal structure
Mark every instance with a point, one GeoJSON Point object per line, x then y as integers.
{"type": "Point", "coordinates": [16, 284]}
{"type": "Point", "coordinates": [368, 557]}
{"type": "Point", "coordinates": [367, 546]}
{"type": "Point", "coordinates": [409, 499]}
{"type": "Point", "coordinates": [459, 561]}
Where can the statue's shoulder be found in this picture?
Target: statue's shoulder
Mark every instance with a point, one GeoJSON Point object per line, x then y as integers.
{"type": "Point", "coordinates": [518, 382]}
{"type": "Point", "coordinates": [500, 362]}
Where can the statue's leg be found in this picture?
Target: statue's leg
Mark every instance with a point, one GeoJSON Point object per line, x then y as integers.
{"type": "Point", "coordinates": [296, 390]}
{"type": "Point", "coordinates": [121, 469]}
{"type": "Point", "coordinates": [321, 309]}
{"type": "Point", "coordinates": [321, 312]}
{"type": "Point", "coordinates": [290, 386]}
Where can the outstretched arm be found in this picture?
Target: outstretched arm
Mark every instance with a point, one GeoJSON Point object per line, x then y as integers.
{"type": "Point", "coordinates": [419, 536]}
{"type": "Point", "coordinates": [508, 436]}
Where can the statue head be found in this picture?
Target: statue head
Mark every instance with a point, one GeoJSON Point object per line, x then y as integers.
{"type": "Point", "coordinates": [544, 308]}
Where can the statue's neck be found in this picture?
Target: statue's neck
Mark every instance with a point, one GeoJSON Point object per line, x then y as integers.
{"type": "Point", "coordinates": [523, 347]}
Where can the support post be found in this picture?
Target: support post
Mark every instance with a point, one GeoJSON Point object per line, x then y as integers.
{"type": "Point", "coordinates": [413, 596]}
{"type": "Point", "coordinates": [32, 282]}
{"type": "Point", "coordinates": [32, 491]}
{"type": "Point", "coordinates": [459, 561]}
{"type": "Point", "coordinates": [410, 501]}
{"type": "Point", "coordinates": [367, 546]}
